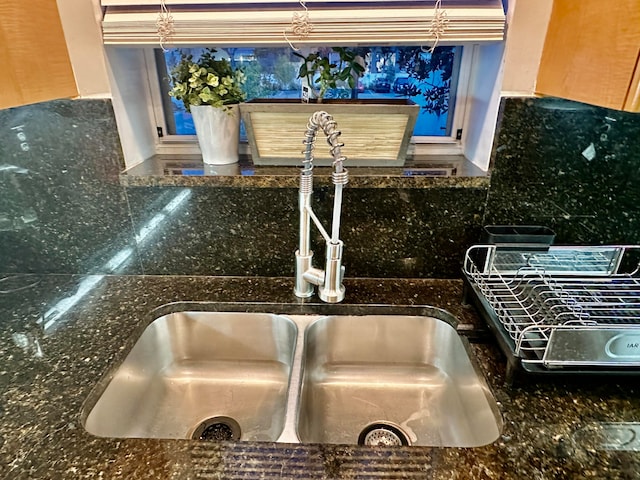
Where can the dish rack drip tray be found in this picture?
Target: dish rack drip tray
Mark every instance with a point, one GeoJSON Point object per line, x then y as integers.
{"type": "Point", "coordinates": [564, 309]}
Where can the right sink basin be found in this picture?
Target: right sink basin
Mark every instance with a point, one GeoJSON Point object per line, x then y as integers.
{"type": "Point", "coordinates": [392, 380]}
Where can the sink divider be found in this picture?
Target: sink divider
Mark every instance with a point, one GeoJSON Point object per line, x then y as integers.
{"type": "Point", "coordinates": [289, 433]}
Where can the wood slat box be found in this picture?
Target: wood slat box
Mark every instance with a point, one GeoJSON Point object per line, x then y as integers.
{"type": "Point", "coordinates": [376, 132]}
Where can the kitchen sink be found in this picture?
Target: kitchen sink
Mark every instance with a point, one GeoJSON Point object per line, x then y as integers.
{"type": "Point", "coordinates": [370, 380]}
{"type": "Point", "coordinates": [385, 380]}
{"type": "Point", "coordinates": [201, 375]}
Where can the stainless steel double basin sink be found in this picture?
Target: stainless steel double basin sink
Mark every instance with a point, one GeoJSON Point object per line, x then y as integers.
{"type": "Point", "coordinates": [369, 380]}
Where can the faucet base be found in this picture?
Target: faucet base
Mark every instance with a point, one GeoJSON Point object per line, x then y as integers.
{"type": "Point", "coordinates": [332, 290]}
{"type": "Point", "coordinates": [330, 295]}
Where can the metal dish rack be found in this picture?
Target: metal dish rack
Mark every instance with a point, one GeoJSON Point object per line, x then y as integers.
{"type": "Point", "coordinates": [560, 309]}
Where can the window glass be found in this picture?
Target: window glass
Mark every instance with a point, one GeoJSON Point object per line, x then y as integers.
{"type": "Point", "coordinates": [428, 79]}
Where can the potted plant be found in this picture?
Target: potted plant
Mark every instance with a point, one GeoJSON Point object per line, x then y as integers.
{"type": "Point", "coordinates": [211, 90]}
{"type": "Point", "coordinates": [321, 74]}
{"type": "Point", "coordinates": [376, 132]}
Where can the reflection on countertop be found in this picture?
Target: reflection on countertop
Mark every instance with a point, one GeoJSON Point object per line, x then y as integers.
{"type": "Point", "coordinates": [189, 170]}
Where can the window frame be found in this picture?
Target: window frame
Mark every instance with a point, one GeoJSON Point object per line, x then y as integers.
{"type": "Point", "coordinates": [420, 145]}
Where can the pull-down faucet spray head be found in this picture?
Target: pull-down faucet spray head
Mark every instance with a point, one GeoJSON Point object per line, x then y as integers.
{"type": "Point", "coordinates": [329, 280]}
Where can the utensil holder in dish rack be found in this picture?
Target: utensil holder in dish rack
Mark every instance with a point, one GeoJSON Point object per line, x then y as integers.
{"type": "Point", "coordinates": [565, 307]}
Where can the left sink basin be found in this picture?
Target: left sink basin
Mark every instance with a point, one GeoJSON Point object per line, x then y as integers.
{"type": "Point", "coordinates": [214, 375]}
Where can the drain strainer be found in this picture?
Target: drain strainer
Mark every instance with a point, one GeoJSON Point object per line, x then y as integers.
{"type": "Point", "coordinates": [383, 434]}
{"type": "Point", "coordinates": [217, 429]}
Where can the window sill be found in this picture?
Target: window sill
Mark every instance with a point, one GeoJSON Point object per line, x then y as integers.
{"type": "Point", "coordinates": [189, 170]}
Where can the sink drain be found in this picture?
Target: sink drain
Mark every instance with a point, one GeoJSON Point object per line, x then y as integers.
{"type": "Point", "coordinates": [217, 429]}
{"type": "Point", "coordinates": [383, 434]}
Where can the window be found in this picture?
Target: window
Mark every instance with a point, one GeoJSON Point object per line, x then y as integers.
{"type": "Point", "coordinates": [428, 79]}
{"type": "Point", "coordinates": [251, 32]}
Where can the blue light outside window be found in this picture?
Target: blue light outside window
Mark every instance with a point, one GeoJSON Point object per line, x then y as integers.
{"type": "Point", "coordinates": [392, 72]}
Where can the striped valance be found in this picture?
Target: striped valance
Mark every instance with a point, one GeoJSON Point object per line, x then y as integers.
{"type": "Point", "coordinates": [256, 22]}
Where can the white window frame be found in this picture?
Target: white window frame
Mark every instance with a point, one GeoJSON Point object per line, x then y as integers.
{"type": "Point", "coordinates": [420, 145]}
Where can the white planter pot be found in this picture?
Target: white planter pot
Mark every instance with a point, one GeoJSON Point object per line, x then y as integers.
{"type": "Point", "coordinates": [218, 133]}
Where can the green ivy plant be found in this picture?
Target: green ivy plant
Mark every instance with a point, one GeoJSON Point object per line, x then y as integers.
{"type": "Point", "coordinates": [208, 81]}
{"type": "Point", "coordinates": [321, 74]}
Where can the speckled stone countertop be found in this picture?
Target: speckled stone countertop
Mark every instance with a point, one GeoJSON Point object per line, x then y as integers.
{"type": "Point", "coordinates": [60, 334]}
{"type": "Point", "coordinates": [189, 170]}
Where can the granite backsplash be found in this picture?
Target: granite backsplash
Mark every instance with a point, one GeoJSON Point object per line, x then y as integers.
{"type": "Point", "coordinates": [570, 166]}
{"type": "Point", "coordinates": [63, 208]}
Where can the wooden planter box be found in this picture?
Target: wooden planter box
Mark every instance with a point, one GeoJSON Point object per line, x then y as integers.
{"type": "Point", "coordinates": [375, 132]}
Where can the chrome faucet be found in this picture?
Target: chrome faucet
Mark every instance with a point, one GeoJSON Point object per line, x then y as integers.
{"type": "Point", "coordinates": [329, 280]}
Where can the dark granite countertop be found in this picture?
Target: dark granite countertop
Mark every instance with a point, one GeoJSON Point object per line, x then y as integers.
{"type": "Point", "coordinates": [189, 170]}
{"type": "Point", "coordinates": [60, 334]}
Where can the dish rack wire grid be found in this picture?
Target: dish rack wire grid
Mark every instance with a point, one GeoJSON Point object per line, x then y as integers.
{"type": "Point", "coordinates": [532, 293]}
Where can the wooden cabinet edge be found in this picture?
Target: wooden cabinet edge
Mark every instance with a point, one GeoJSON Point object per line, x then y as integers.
{"type": "Point", "coordinates": [581, 44]}
{"type": "Point", "coordinates": [632, 102]}
{"type": "Point", "coordinates": [35, 42]}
